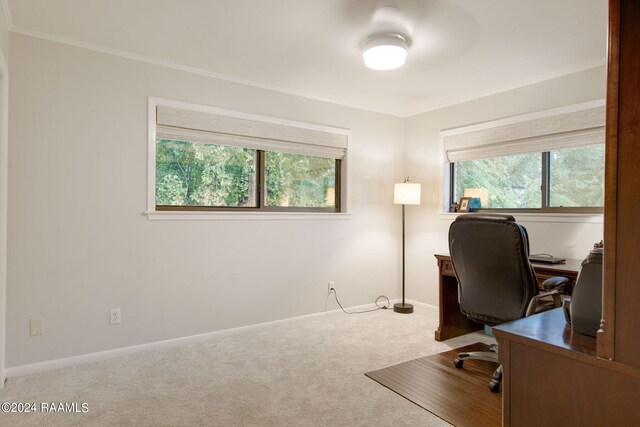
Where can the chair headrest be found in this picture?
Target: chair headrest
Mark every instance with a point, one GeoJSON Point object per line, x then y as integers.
{"type": "Point", "coordinates": [486, 217]}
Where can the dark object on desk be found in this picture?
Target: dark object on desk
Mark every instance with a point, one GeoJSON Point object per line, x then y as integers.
{"type": "Point", "coordinates": [497, 284]}
{"type": "Point", "coordinates": [585, 309]}
{"type": "Point", "coordinates": [548, 259]}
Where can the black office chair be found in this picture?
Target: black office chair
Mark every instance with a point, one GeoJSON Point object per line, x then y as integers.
{"type": "Point", "coordinates": [496, 283]}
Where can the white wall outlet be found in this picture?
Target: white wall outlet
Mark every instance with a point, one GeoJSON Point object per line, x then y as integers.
{"type": "Point", "coordinates": [36, 327]}
{"type": "Point", "coordinates": [330, 285]}
{"type": "Point", "coordinates": [116, 316]}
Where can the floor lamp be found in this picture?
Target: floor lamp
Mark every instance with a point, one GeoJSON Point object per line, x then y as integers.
{"type": "Point", "coordinates": [405, 193]}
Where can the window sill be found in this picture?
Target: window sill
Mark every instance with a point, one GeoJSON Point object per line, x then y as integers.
{"type": "Point", "coordinates": [590, 218]}
{"type": "Point", "coordinates": [216, 216]}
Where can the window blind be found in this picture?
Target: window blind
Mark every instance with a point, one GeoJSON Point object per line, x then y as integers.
{"type": "Point", "coordinates": [197, 126]}
{"type": "Point", "coordinates": [553, 132]}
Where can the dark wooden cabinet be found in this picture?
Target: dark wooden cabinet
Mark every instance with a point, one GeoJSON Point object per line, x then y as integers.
{"type": "Point", "coordinates": [542, 357]}
{"type": "Point", "coordinates": [619, 338]}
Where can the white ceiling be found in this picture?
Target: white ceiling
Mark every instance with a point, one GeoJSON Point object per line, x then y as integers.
{"type": "Point", "coordinates": [462, 49]}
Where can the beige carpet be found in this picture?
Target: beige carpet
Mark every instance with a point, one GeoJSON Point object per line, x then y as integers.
{"type": "Point", "coordinates": [307, 372]}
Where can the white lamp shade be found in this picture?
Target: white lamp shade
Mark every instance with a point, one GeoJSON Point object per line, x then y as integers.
{"type": "Point", "coordinates": [385, 52]}
{"type": "Point", "coordinates": [406, 193]}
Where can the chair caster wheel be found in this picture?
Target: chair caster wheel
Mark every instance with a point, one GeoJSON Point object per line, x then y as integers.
{"type": "Point", "coordinates": [458, 363]}
{"type": "Point", "coordinates": [494, 386]}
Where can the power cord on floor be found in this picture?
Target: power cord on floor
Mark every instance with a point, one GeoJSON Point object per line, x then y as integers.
{"type": "Point", "coordinates": [335, 294]}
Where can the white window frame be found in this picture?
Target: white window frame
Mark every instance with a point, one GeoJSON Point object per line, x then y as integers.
{"type": "Point", "coordinates": [153, 214]}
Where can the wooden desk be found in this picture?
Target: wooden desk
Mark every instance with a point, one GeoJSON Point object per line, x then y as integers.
{"type": "Point", "coordinates": [453, 323]}
{"type": "Point", "coordinates": [552, 377]}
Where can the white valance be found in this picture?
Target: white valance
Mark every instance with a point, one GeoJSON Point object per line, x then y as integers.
{"type": "Point", "coordinates": [204, 127]}
{"type": "Point", "coordinates": [538, 132]}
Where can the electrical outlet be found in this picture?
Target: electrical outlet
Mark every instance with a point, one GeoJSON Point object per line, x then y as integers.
{"type": "Point", "coordinates": [116, 316]}
{"type": "Point", "coordinates": [36, 327]}
{"type": "Point", "coordinates": [330, 285]}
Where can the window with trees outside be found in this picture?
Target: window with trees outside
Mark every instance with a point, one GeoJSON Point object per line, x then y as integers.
{"type": "Point", "coordinates": [206, 161]}
{"type": "Point", "coordinates": [566, 179]}
{"type": "Point", "coordinates": [217, 176]}
{"type": "Point", "coordinates": [548, 161]}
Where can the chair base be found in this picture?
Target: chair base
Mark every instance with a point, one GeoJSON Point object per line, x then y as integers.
{"type": "Point", "coordinates": [487, 356]}
{"type": "Point", "coordinates": [494, 384]}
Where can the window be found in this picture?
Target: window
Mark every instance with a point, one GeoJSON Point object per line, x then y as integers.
{"type": "Point", "coordinates": [501, 182]}
{"type": "Point", "coordinates": [557, 180]}
{"type": "Point", "coordinates": [217, 176]}
{"type": "Point", "coordinates": [192, 174]}
{"type": "Point", "coordinates": [550, 161]}
{"type": "Point", "coordinates": [576, 177]}
{"type": "Point", "coordinates": [294, 180]}
{"type": "Point", "coordinates": [206, 161]}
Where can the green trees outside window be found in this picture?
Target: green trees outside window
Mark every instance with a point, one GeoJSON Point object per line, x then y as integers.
{"type": "Point", "coordinates": [300, 181]}
{"type": "Point", "coordinates": [192, 174]}
{"type": "Point", "coordinates": [199, 175]}
{"type": "Point", "coordinates": [576, 177]}
{"type": "Point", "coordinates": [501, 182]}
{"type": "Point", "coordinates": [567, 179]}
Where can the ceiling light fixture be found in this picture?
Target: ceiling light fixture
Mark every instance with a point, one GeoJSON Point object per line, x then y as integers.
{"type": "Point", "coordinates": [385, 51]}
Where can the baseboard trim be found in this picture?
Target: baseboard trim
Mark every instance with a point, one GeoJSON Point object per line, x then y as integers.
{"type": "Point", "coordinates": [423, 304]}
{"type": "Point", "coordinates": [48, 365]}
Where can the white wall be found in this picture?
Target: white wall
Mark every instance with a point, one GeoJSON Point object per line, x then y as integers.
{"type": "Point", "coordinates": [428, 231]}
{"type": "Point", "coordinates": [79, 244]}
{"type": "Point", "coordinates": [4, 35]}
{"type": "Point", "coordinates": [4, 105]}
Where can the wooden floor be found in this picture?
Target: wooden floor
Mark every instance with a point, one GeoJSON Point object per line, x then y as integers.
{"type": "Point", "coordinates": [458, 396]}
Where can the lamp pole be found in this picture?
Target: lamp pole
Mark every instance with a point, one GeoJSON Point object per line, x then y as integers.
{"type": "Point", "coordinates": [404, 307]}
{"type": "Point", "coordinates": [403, 269]}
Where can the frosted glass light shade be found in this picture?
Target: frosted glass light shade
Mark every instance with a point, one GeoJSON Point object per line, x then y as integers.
{"type": "Point", "coordinates": [385, 52]}
{"type": "Point", "coordinates": [406, 193]}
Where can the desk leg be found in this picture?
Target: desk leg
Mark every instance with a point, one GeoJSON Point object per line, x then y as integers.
{"type": "Point", "coordinates": [452, 322]}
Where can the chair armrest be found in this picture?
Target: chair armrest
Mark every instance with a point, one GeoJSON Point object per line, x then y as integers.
{"type": "Point", "coordinates": [556, 282]}
{"type": "Point", "coordinates": [535, 301]}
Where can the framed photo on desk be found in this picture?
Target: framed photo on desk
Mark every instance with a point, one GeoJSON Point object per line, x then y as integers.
{"type": "Point", "coordinates": [464, 204]}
